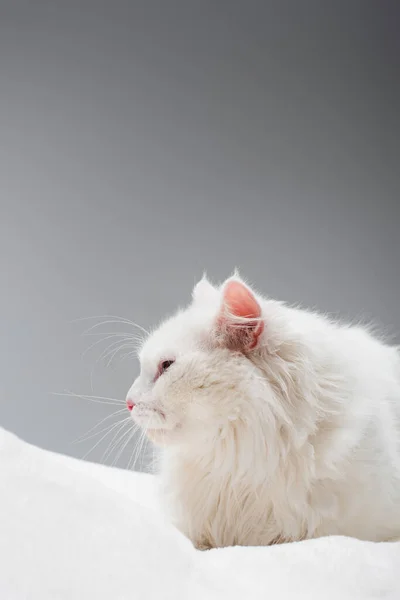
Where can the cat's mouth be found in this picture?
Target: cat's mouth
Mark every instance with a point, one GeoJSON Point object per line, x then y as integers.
{"type": "Point", "coordinates": [153, 420]}
{"type": "Point", "coordinates": [149, 417]}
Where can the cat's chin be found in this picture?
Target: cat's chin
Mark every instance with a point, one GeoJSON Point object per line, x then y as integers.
{"type": "Point", "coordinates": [158, 436]}
{"type": "Point", "coordinates": [162, 437]}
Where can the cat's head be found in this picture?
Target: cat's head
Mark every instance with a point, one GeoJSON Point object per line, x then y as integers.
{"type": "Point", "coordinates": [199, 369]}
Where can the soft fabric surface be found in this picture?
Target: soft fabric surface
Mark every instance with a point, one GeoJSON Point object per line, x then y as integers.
{"type": "Point", "coordinates": [74, 530]}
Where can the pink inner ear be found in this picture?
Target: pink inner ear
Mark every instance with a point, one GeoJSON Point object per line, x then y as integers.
{"type": "Point", "coordinates": [240, 301]}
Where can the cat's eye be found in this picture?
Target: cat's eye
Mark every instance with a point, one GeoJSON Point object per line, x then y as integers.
{"type": "Point", "coordinates": [164, 366]}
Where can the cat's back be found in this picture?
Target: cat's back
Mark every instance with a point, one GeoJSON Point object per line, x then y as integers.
{"type": "Point", "coordinates": [375, 365]}
{"type": "Point", "coordinates": [359, 359]}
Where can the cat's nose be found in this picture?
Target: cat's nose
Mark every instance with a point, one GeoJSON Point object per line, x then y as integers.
{"type": "Point", "coordinates": [130, 403]}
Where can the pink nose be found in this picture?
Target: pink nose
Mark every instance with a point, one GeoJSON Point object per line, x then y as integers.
{"type": "Point", "coordinates": [130, 404]}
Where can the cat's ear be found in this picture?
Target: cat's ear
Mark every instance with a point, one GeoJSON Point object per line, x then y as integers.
{"type": "Point", "coordinates": [239, 323]}
{"type": "Point", "coordinates": [203, 290]}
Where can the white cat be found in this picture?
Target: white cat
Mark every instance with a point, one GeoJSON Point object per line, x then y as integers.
{"type": "Point", "coordinates": [276, 424]}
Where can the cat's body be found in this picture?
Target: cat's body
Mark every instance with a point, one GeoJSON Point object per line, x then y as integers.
{"type": "Point", "coordinates": [277, 424]}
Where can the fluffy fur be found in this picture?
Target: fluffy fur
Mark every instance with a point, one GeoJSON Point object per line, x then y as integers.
{"type": "Point", "coordinates": [276, 424]}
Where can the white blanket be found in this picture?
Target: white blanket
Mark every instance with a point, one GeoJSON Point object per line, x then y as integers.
{"type": "Point", "coordinates": [74, 530]}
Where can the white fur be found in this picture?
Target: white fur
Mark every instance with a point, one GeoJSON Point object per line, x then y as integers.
{"type": "Point", "coordinates": [299, 438]}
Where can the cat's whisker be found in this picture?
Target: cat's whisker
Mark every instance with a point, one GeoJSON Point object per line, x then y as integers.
{"type": "Point", "coordinates": [130, 459]}
{"type": "Point", "coordinates": [139, 444]}
{"type": "Point", "coordinates": [100, 440]}
{"type": "Point", "coordinates": [97, 342]}
{"type": "Point", "coordinates": [92, 429]}
{"type": "Point", "coordinates": [116, 333]}
{"type": "Point", "coordinates": [112, 320]}
{"type": "Point", "coordinates": [113, 353]}
{"type": "Point", "coordinates": [128, 355]}
{"type": "Point", "coordinates": [110, 427]}
{"type": "Point", "coordinates": [143, 444]}
{"type": "Point", "coordinates": [91, 398]}
{"type": "Point", "coordinates": [128, 435]}
{"type": "Point", "coordinates": [110, 348]}
{"type": "Point", "coordinates": [116, 439]}
{"type": "Point", "coordinates": [136, 448]}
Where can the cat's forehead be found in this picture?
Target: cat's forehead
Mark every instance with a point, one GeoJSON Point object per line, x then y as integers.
{"type": "Point", "coordinates": [176, 335]}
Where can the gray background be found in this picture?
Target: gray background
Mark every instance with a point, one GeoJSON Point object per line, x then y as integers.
{"type": "Point", "coordinates": [142, 142]}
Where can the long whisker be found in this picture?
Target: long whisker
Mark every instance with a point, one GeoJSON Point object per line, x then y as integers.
{"type": "Point", "coordinates": [99, 399]}
{"type": "Point", "coordinates": [132, 433]}
{"type": "Point", "coordinates": [111, 319]}
{"type": "Point", "coordinates": [128, 355]}
{"type": "Point", "coordinates": [136, 449]}
{"type": "Point", "coordinates": [101, 439]}
{"type": "Point", "coordinates": [113, 444]}
{"type": "Point", "coordinates": [110, 348]}
{"type": "Point", "coordinates": [107, 337]}
{"type": "Point", "coordinates": [130, 459]}
{"type": "Point", "coordinates": [84, 438]}
{"type": "Point", "coordinates": [143, 447]}
{"type": "Point", "coordinates": [112, 354]}
{"type": "Point", "coordinates": [110, 427]}
{"type": "Point", "coordinates": [143, 450]}
{"type": "Point", "coordinates": [142, 440]}
{"type": "Point", "coordinates": [114, 333]}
